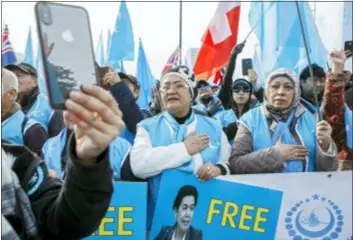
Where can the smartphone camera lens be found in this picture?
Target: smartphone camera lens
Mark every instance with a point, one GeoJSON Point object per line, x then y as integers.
{"type": "Point", "coordinates": [45, 14]}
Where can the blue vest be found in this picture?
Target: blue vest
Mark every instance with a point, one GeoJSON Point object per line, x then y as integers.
{"type": "Point", "coordinates": [256, 122]}
{"type": "Point", "coordinates": [226, 117]}
{"type": "Point", "coordinates": [127, 135]}
{"type": "Point", "coordinates": [308, 105]}
{"type": "Point", "coordinates": [164, 130]}
{"type": "Point", "coordinates": [348, 123]}
{"type": "Point", "coordinates": [347, 119]}
{"type": "Point", "coordinates": [52, 151]}
{"type": "Point", "coordinates": [11, 128]}
{"type": "Point", "coordinates": [41, 111]}
{"type": "Point", "coordinates": [200, 107]}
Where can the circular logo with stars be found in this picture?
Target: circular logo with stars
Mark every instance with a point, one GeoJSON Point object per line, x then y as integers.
{"type": "Point", "coordinates": [314, 218]}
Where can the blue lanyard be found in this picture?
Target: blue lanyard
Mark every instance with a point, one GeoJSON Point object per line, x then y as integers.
{"type": "Point", "coordinates": [281, 128]}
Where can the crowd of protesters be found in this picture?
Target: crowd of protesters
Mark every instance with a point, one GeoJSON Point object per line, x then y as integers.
{"type": "Point", "coordinates": [237, 129]}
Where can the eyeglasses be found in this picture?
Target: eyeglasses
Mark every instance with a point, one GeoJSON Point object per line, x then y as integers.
{"type": "Point", "coordinates": [176, 86]}
{"type": "Point", "coordinates": [244, 90]}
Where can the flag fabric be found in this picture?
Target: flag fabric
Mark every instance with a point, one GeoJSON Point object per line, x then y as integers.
{"type": "Point", "coordinates": [116, 65]}
{"type": "Point", "coordinates": [145, 78]}
{"type": "Point", "coordinates": [218, 77]}
{"type": "Point", "coordinates": [347, 21]}
{"type": "Point", "coordinates": [40, 72]}
{"type": "Point", "coordinates": [257, 65]}
{"type": "Point", "coordinates": [263, 15]}
{"type": "Point", "coordinates": [190, 57]}
{"type": "Point", "coordinates": [109, 38]}
{"type": "Point", "coordinates": [28, 58]}
{"type": "Point", "coordinates": [347, 28]}
{"type": "Point", "coordinates": [122, 45]}
{"type": "Point", "coordinates": [280, 36]}
{"type": "Point", "coordinates": [8, 55]}
{"type": "Point", "coordinates": [173, 61]}
{"type": "Point", "coordinates": [99, 53]}
{"type": "Point", "coordinates": [219, 40]}
{"type": "Point", "coordinates": [292, 52]}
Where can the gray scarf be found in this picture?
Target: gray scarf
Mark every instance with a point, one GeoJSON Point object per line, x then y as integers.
{"type": "Point", "coordinates": [14, 202]}
{"type": "Point", "coordinates": [270, 110]}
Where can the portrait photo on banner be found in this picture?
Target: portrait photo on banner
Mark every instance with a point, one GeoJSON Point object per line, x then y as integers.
{"type": "Point", "coordinates": [184, 206]}
{"type": "Point", "coordinates": [188, 209]}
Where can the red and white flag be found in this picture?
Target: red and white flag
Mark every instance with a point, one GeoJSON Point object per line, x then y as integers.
{"type": "Point", "coordinates": [218, 76]}
{"type": "Point", "coordinates": [173, 61]}
{"type": "Point", "coordinates": [218, 41]}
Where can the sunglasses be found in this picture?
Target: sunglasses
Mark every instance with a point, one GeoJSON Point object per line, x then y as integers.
{"type": "Point", "coordinates": [243, 89]}
{"type": "Point", "coordinates": [204, 88]}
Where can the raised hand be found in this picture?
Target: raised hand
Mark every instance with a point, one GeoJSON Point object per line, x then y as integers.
{"type": "Point", "coordinates": [252, 76]}
{"type": "Point", "coordinates": [111, 77]}
{"type": "Point", "coordinates": [338, 59]}
{"type": "Point", "coordinates": [323, 134]}
{"type": "Point", "coordinates": [96, 118]}
{"type": "Point", "coordinates": [238, 48]}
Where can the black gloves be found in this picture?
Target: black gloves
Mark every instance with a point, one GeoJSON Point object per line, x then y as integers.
{"type": "Point", "coordinates": [214, 106]}
{"type": "Point", "coordinates": [238, 48]}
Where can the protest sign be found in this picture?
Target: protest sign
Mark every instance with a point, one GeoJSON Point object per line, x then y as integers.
{"type": "Point", "coordinates": [126, 215]}
{"type": "Point", "coordinates": [314, 206]}
{"type": "Point", "coordinates": [214, 210]}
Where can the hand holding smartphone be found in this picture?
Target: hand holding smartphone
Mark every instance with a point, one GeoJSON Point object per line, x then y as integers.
{"type": "Point", "coordinates": [246, 65]}
{"type": "Point", "coordinates": [66, 43]}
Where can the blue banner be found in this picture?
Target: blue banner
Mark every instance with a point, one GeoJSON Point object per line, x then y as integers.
{"type": "Point", "coordinates": [126, 215]}
{"type": "Point", "coordinates": [191, 210]}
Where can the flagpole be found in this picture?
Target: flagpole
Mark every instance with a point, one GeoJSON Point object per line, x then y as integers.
{"type": "Point", "coordinates": [180, 30]}
{"type": "Point", "coordinates": [309, 62]}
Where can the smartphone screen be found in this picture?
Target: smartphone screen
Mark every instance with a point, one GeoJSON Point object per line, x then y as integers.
{"type": "Point", "coordinates": [67, 51]}
{"type": "Point", "coordinates": [348, 46]}
{"type": "Point", "coordinates": [246, 65]}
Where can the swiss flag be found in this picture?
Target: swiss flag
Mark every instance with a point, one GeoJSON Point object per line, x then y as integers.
{"type": "Point", "coordinates": [218, 41]}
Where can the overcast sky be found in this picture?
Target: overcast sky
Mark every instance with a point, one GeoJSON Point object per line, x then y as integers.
{"type": "Point", "coordinates": [157, 23]}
